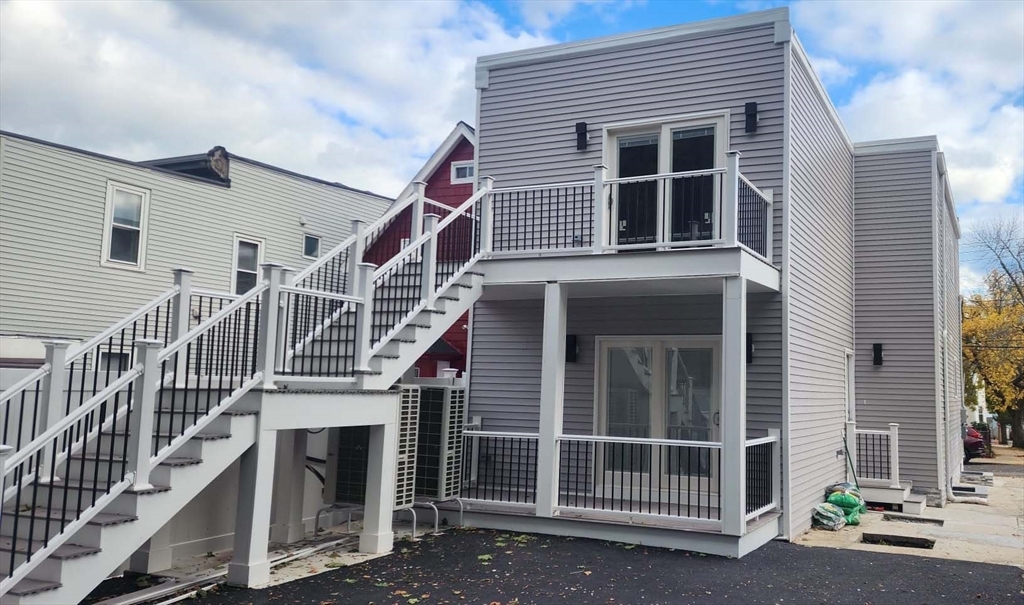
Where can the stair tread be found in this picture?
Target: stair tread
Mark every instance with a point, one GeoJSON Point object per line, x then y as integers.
{"type": "Point", "coordinates": [915, 498]}
{"type": "Point", "coordinates": [89, 486]}
{"type": "Point", "coordinates": [30, 586]}
{"type": "Point", "coordinates": [202, 436]}
{"type": "Point", "coordinates": [97, 519]}
{"type": "Point", "coordinates": [169, 461]}
{"type": "Point", "coordinates": [224, 413]}
{"type": "Point", "coordinates": [64, 551]}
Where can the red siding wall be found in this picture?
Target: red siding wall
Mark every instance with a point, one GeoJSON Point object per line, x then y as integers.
{"type": "Point", "coordinates": [439, 186]}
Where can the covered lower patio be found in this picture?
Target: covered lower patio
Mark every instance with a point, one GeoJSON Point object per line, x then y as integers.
{"type": "Point", "coordinates": [638, 420]}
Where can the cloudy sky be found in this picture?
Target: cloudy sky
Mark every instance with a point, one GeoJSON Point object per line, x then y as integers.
{"type": "Point", "coordinates": [363, 92]}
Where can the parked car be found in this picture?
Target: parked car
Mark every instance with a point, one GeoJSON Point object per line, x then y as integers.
{"type": "Point", "coordinates": [974, 444]}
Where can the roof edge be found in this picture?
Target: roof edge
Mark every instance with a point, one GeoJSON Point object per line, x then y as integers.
{"type": "Point", "coordinates": [566, 49]}
{"type": "Point", "coordinates": [461, 130]}
{"type": "Point", "coordinates": [924, 143]}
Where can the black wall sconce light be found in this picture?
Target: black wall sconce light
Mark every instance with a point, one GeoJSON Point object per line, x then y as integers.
{"type": "Point", "coordinates": [581, 136]}
{"type": "Point", "coordinates": [876, 351]}
{"type": "Point", "coordinates": [750, 112]}
{"type": "Point", "coordinates": [750, 347]}
{"type": "Point", "coordinates": [572, 350]}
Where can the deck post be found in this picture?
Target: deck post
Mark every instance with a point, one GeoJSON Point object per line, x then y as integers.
{"type": "Point", "coordinates": [416, 224]}
{"type": "Point", "coordinates": [429, 264]}
{"type": "Point", "coordinates": [355, 256]}
{"type": "Point", "coordinates": [377, 536]}
{"type": "Point", "coordinates": [730, 198]}
{"type": "Point", "coordinates": [364, 319]}
{"type": "Point", "coordinates": [270, 307]}
{"type": "Point", "coordinates": [289, 487]}
{"type": "Point", "coordinates": [486, 215]}
{"type": "Point", "coordinates": [250, 565]}
{"type": "Point", "coordinates": [283, 316]}
{"type": "Point", "coordinates": [851, 448]}
{"type": "Point", "coordinates": [140, 425]}
{"type": "Point", "coordinates": [552, 390]}
{"type": "Point", "coordinates": [769, 235]}
{"type": "Point", "coordinates": [776, 461]}
{"type": "Point", "coordinates": [52, 397]}
{"type": "Point", "coordinates": [734, 406]}
{"type": "Point", "coordinates": [894, 455]}
{"type": "Point", "coordinates": [600, 208]}
{"type": "Point", "coordinates": [180, 311]}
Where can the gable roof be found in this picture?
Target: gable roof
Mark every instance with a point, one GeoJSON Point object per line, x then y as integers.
{"type": "Point", "coordinates": [461, 131]}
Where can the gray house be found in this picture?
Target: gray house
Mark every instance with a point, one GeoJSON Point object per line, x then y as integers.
{"type": "Point", "coordinates": [695, 303]}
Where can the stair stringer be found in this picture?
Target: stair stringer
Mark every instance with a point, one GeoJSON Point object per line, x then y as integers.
{"type": "Point", "coordinates": [78, 577]}
{"type": "Point", "coordinates": [392, 369]}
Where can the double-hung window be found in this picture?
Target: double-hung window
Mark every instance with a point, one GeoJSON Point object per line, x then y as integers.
{"type": "Point", "coordinates": [125, 224]}
{"type": "Point", "coordinates": [462, 172]}
{"type": "Point", "coordinates": [248, 255]}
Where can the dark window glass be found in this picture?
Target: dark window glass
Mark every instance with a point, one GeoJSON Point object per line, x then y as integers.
{"type": "Point", "coordinates": [124, 244]}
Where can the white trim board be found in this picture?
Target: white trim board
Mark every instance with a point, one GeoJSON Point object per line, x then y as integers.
{"type": "Point", "coordinates": [583, 47]}
{"type": "Point", "coordinates": [461, 131]}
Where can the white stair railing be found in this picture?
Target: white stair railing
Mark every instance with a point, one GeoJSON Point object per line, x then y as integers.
{"type": "Point", "coordinates": [875, 453]}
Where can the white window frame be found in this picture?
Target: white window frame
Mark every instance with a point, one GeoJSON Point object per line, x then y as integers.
{"type": "Point", "coordinates": [319, 245]}
{"type": "Point", "coordinates": [468, 180]}
{"type": "Point", "coordinates": [234, 257]}
{"type": "Point", "coordinates": [108, 227]}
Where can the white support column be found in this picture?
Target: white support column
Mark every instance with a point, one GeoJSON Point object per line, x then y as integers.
{"type": "Point", "coordinates": [140, 434]}
{"type": "Point", "coordinates": [364, 320]}
{"type": "Point", "coordinates": [155, 555]}
{"type": "Point", "coordinates": [180, 312]}
{"type": "Point", "coordinates": [250, 566]}
{"type": "Point", "coordinates": [355, 256]}
{"type": "Point", "coordinates": [289, 487]}
{"type": "Point", "coordinates": [776, 467]}
{"type": "Point", "coordinates": [429, 264]}
{"type": "Point", "coordinates": [487, 215]}
{"type": "Point", "coordinates": [894, 455]}
{"type": "Point", "coordinates": [283, 313]}
{"type": "Point", "coordinates": [266, 349]}
{"type": "Point", "coordinates": [600, 208]}
{"type": "Point", "coordinates": [730, 197]}
{"type": "Point", "coordinates": [416, 226]}
{"type": "Point", "coordinates": [734, 406]}
{"type": "Point", "coordinates": [552, 391]}
{"type": "Point", "coordinates": [52, 409]}
{"type": "Point", "coordinates": [377, 536]}
{"type": "Point", "coordinates": [851, 448]}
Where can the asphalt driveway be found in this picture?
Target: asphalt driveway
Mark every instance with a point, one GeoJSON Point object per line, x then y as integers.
{"type": "Point", "coordinates": [482, 566]}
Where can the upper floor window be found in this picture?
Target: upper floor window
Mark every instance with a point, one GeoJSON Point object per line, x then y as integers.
{"type": "Point", "coordinates": [462, 172]}
{"type": "Point", "coordinates": [125, 225]}
{"type": "Point", "coordinates": [248, 255]}
{"type": "Point", "coordinates": [310, 246]}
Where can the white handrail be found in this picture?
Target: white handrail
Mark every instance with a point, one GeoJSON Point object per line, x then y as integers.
{"type": "Point", "coordinates": [541, 186]}
{"type": "Point", "coordinates": [65, 422]}
{"type": "Point", "coordinates": [664, 175]}
{"type": "Point", "coordinates": [394, 260]}
{"type": "Point", "coordinates": [762, 440]}
{"type": "Point", "coordinates": [640, 440]}
{"type": "Point", "coordinates": [322, 294]}
{"type": "Point", "coordinates": [214, 293]}
{"type": "Point", "coordinates": [756, 190]}
{"type": "Point", "coordinates": [301, 275]}
{"type": "Point", "coordinates": [506, 434]}
{"type": "Point", "coordinates": [211, 321]}
{"type": "Point", "coordinates": [392, 213]}
{"type": "Point", "coordinates": [24, 383]}
{"type": "Point", "coordinates": [96, 340]}
{"type": "Point", "coordinates": [461, 210]}
{"type": "Point", "coordinates": [871, 432]}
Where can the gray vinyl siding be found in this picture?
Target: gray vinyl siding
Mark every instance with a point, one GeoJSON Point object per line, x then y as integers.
{"type": "Point", "coordinates": [895, 291]}
{"type": "Point", "coordinates": [506, 361]}
{"type": "Point", "coordinates": [820, 268]}
{"type": "Point", "coordinates": [948, 261]}
{"type": "Point", "coordinates": [528, 112]}
{"type": "Point", "coordinates": [52, 204]}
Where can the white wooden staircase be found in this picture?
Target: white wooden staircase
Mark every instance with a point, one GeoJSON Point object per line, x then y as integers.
{"type": "Point", "coordinates": [107, 442]}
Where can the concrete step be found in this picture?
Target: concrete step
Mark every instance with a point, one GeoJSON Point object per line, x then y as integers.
{"type": "Point", "coordinates": [914, 504]}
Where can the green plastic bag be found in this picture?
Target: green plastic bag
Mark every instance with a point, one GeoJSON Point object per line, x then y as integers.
{"type": "Point", "coordinates": [846, 501]}
{"type": "Point", "coordinates": [853, 517]}
{"type": "Point", "coordinates": [828, 516]}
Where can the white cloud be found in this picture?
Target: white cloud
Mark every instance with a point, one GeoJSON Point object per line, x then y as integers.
{"type": "Point", "coordinates": [831, 71]}
{"type": "Point", "coordinates": [971, 281]}
{"type": "Point", "coordinates": [354, 92]}
{"type": "Point", "coordinates": [953, 69]}
{"type": "Point", "coordinates": [542, 14]}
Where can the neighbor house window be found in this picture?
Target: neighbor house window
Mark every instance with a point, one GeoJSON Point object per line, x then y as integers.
{"type": "Point", "coordinates": [462, 172]}
{"type": "Point", "coordinates": [248, 254]}
{"type": "Point", "coordinates": [124, 237]}
{"type": "Point", "coordinates": [310, 246]}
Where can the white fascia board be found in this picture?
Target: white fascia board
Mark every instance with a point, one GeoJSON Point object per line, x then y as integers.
{"type": "Point", "coordinates": [447, 146]}
{"type": "Point", "coordinates": [583, 47]}
{"type": "Point", "coordinates": [819, 88]}
{"type": "Point", "coordinates": [926, 143]}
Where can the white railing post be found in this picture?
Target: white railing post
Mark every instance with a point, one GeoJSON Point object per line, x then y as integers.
{"type": "Point", "coordinates": [283, 314]}
{"type": "Point", "coordinates": [730, 197]}
{"type": "Point", "coordinates": [140, 427]}
{"type": "Point", "coordinates": [769, 235]}
{"type": "Point", "coordinates": [487, 215]}
{"type": "Point", "coordinates": [266, 349]}
{"type": "Point", "coordinates": [851, 448]}
{"type": "Point", "coordinates": [776, 470]}
{"type": "Point", "coordinates": [180, 313]}
{"type": "Point", "coordinates": [428, 266]}
{"type": "Point", "coordinates": [416, 225]}
{"type": "Point", "coordinates": [51, 410]}
{"type": "Point", "coordinates": [894, 454]}
{"type": "Point", "coordinates": [600, 208]}
{"type": "Point", "coordinates": [364, 323]}
{"type": "Point", "coordinates": [5, 451]}
{"type": "Point", "coordinates": [355, 255]}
